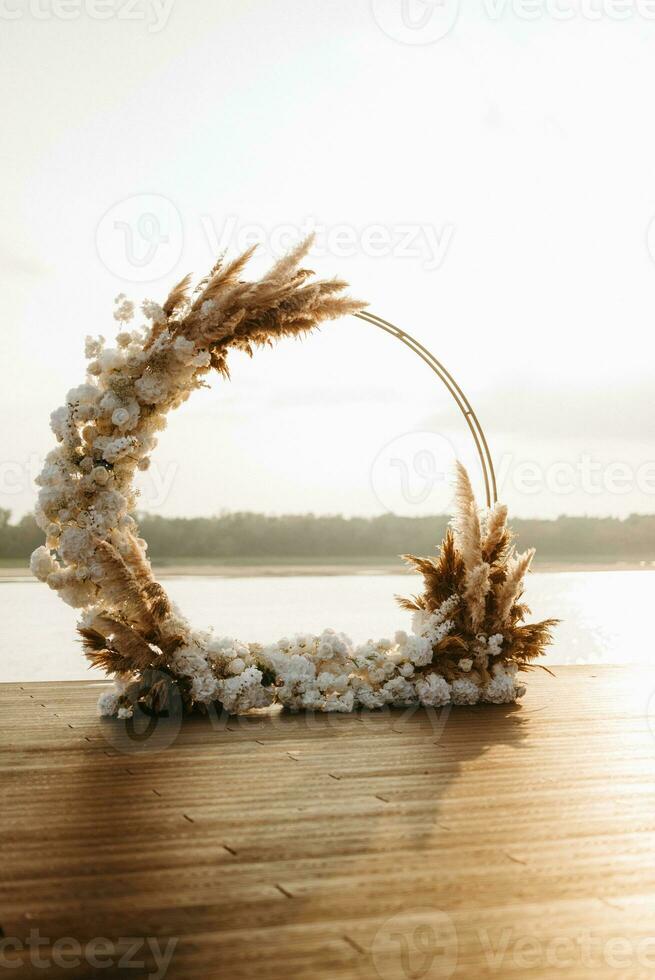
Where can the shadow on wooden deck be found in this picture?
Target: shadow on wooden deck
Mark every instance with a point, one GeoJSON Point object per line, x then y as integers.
{"type": "Point", "coordinates": [466, 842]}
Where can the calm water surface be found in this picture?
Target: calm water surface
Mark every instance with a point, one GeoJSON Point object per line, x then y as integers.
{"type": "Point", "coordinates": [604, 615]}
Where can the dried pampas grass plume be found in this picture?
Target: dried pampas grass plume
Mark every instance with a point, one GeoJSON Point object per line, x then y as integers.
{"type": "Point", "coordinates": [466, 522]}
{"type": "Point", "coordinates": [122, 588]}
{"type": "Point", "coordinates": [476, 584]}
{"type": "Point", "coordinates": [496, 536]}
{"type": "Point", "coordinates": [285, 302]}
{"type": "Point", "coordinates": [124, 647]}
{"type": "Point", "coordinates": [510, 590]}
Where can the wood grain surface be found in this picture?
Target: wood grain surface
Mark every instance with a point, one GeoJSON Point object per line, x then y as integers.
{"type": "Point", "coordinates": [400, 845]}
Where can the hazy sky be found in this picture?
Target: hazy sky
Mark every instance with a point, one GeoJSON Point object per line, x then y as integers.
{"type": "Point", "coordinates": [483, 176]}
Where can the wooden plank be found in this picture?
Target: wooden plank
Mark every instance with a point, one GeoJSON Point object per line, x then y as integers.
{"type": "Point", "coordinates": [475, 842]}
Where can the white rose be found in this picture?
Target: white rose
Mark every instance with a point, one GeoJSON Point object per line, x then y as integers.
{"type": "Point", "coordinates": [100, 475]}
{"type": "Point", "coordinates": [120, 416]}
{"type": "Point", "coordinates": [42, 563]}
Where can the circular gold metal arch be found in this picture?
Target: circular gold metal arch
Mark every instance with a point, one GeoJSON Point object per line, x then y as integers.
{"type": "Point", "coordinates": [463, 403]}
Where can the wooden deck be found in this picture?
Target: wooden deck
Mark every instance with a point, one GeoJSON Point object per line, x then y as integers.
{"type": "Point", "coordinates": [493, 841]}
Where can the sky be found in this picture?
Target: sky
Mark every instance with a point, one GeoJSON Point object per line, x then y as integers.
{"type": "Point", "coordinates": [482, 173]}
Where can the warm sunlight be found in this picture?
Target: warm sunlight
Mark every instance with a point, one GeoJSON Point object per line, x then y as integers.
{"type": "Point", "coordinates": [327, 489]}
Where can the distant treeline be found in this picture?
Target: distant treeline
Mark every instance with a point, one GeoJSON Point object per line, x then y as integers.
{"type": "Point", "coordinates": [248, 535]}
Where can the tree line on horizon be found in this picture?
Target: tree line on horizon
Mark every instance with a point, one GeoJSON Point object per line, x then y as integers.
{"type": "Point", "coordinates": [252, 535]}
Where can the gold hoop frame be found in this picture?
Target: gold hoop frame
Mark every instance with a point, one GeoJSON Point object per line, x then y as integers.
{"type": "Point", "coordinates": [464, 405]}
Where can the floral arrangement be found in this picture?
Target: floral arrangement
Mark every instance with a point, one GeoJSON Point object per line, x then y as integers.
{"type": "Point", "coordinates": [467, 642]}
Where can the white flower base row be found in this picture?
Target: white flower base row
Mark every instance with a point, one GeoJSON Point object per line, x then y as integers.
{"type": "Point", "coordinates": [328, 673]}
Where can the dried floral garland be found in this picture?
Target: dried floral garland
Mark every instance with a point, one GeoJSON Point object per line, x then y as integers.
{"type": "Point", "coordinates": [468, 642]}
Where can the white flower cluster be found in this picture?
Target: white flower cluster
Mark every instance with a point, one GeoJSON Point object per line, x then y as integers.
{"type": "Point", "coordinates": [222, 669]}
{"type": "Point", "coordinates": [312, 671]}
{"type": "Point", "coordinates": [435, 626]}
{"type": "Point", "coordinates": [106, 430]}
